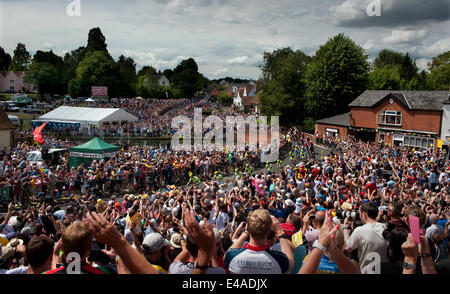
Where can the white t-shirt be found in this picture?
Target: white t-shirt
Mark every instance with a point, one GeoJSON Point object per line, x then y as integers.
{"type": "Point", "coordinates": [221, 221]}
{"type": "Point", "coordinates": [368, 239]}
{"type": "Point", "coordinates": [17, 271]}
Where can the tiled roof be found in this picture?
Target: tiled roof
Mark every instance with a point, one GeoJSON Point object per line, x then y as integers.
{"type": "Point", "coordinates": [4, 73]}
{"type": "Point", "coordinates": [419, 100]}
{"type": "Point", "coordinates": [338, 120]}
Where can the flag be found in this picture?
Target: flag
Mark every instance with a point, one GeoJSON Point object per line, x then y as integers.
{"type": "Point", "coordinates": [257, 187]}
{"type": "Point", "coordinates": [37, 134]}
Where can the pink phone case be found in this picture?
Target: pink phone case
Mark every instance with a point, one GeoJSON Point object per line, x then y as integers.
{"type": "Point", "coordinates": [414, 228]}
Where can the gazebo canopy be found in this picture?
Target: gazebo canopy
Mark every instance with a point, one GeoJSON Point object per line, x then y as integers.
{"type": "Point", "coordinates": [96, 146]}
{"type": "Point", "coordinates": [94, 149]}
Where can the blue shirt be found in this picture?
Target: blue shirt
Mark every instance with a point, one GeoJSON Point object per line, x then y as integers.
{"type": "Point", "coordinates": [299, 254]}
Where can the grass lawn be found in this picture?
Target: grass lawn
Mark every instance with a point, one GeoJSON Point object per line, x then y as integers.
{"type": "Point", "coordinates": [7, 96]}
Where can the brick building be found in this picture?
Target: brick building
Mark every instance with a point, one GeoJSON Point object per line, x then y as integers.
{"type": "Point", "coordinates": [411, 118]}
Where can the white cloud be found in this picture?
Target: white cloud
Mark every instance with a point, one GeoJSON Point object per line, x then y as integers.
{"type": "Point", "coordinates": [350, 10]}
{"type": "Point", "coordinates": [406, 37]}
{"type": "Point", "coordinates": [218, 34]}
{"type": "Point", "coordinates": [221, 71]}
{"type": "Point", "coordinates": [48, 46]}
{"type": "Point", "coordinates": [436, 48]}
{"type": "Point", "coordinates": [422, 63]}
{"type": "Point", "coordinates": [238, 60]}
{"type": "Point", "coordinates": [241, 60]}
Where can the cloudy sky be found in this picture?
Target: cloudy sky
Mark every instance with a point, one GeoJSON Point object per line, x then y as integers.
{"type": "Point", "coordinates": [226, 37]}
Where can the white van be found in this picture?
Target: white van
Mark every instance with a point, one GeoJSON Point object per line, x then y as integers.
{"type": "Point", "coordinates": [35, 156]}
{"type": "Point", "coordinates": [14, 120]}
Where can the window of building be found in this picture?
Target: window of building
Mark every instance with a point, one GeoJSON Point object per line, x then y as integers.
{"type": "Point", "coordinates": [418, 142]}
{"type": "Point", "coordinates": [390, 117]}
{"type": "Point", "coordinates": [11, 81]}
{"type": "Point", "coordinates": [11, 88]}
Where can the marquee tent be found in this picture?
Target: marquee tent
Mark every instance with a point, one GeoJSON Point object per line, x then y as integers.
{"type": "Point", "coordinates": [95, 149]}
{"type": "Point", "coordinates": [87, 115]}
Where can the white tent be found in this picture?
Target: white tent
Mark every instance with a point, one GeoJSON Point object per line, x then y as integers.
{"type": "Point", "coordinates": [87, 115]}
{"type": "Point", "coordinates": [89, 100]}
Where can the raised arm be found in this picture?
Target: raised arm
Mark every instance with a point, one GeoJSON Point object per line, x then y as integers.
{"type": "Point", "coordinates": [105, 232]}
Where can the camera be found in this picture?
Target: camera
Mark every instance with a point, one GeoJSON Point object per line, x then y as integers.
{"type": "Point", "coordinates": [342, 214]}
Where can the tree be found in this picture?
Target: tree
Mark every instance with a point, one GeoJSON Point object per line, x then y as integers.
{"type": "Point", "coordinates": [408, 68]}
{"type": "Point", "coordinates": [127, 70]}
{"type": "Point", "coordinates": [45, 76]}
{"type": "Point", "coordinates": [96, 40]}
{"type": "Point", "coordinates": [225, 98]}
{"type": "Point", "coordinates": [96, 69]}
{"type": "Point", "coordinates": [168, 73]}
{"type": "Point", "coordinates": [337, 74]}
{"type": "Point", "coordinates": [186, 78]}
{"type": "Point", "coordinates": [147, 81]}
{"type": "Point", "coordinates": [390, 64]}
{"type": "Point", "coordinates": [384, 78]}
{"type": "Point", "coordinates": [439, 77]}
{"type": "Point", "coordinates": [5, 59]}
{"type": "Point", "coordinates": [388, 57]}
{"type": "Point", "coordinates": [71, 61]}
{"type": "Point", "coordinates": [283, 85]}
{"type": "Point", "coordinates": [45, 72]}
{"type": "Point", "coordinates": [21, 58]}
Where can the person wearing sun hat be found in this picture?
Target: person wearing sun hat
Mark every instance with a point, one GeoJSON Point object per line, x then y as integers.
{"type": "Point", "coordinates": [176, 243]}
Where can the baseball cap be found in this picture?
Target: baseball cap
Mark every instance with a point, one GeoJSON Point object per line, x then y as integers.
{"type": "Point", "coordinates": [154, 242]}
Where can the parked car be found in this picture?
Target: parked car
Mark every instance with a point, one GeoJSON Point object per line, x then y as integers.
{"type": "Point", "coordinates": [14, 120]}
{"type": "Point", "coordinates": [33, 109]}
{"type": "Point", "coordinates": [9, 106]}
{"type": "Point", "coordinates": [44, 106]}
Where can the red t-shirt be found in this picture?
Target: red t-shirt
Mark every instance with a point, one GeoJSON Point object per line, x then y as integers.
{"type": "Point", "coordinates": [315, 172]}
{"type": "Point", "coordinates": [371, 187]}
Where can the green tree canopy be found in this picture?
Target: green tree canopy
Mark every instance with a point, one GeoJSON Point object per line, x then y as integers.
{"type": "Point", "coordinates": [186, 78]}
{"type": "Point", "coordinates": [395, 69]}
{"type": "Point", "coordinates": [96, 40]}
{"type": "Point", "coordinates": [127, 70]}
{"type": "Point", "coordinates": [337, 74]}
{"type": "Point", "coordinates": [283, 85]}
{"type": "Point", "coordinates": [384, 78]}
{"type": "Point", "coordinates": [439, 77]}
{"type": "Point", "coordinates": [21, 58]}
{"type": "Point", "coordinates": [5, 59]}
{"type": "Point", "coordinates": [71, 61]}
{"type": "Point", "coordinates": [96, 69]}
{"type": "Point", "coordinates": [46, 72]}
{"type": "Point", "coordinates": [225, 98]}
